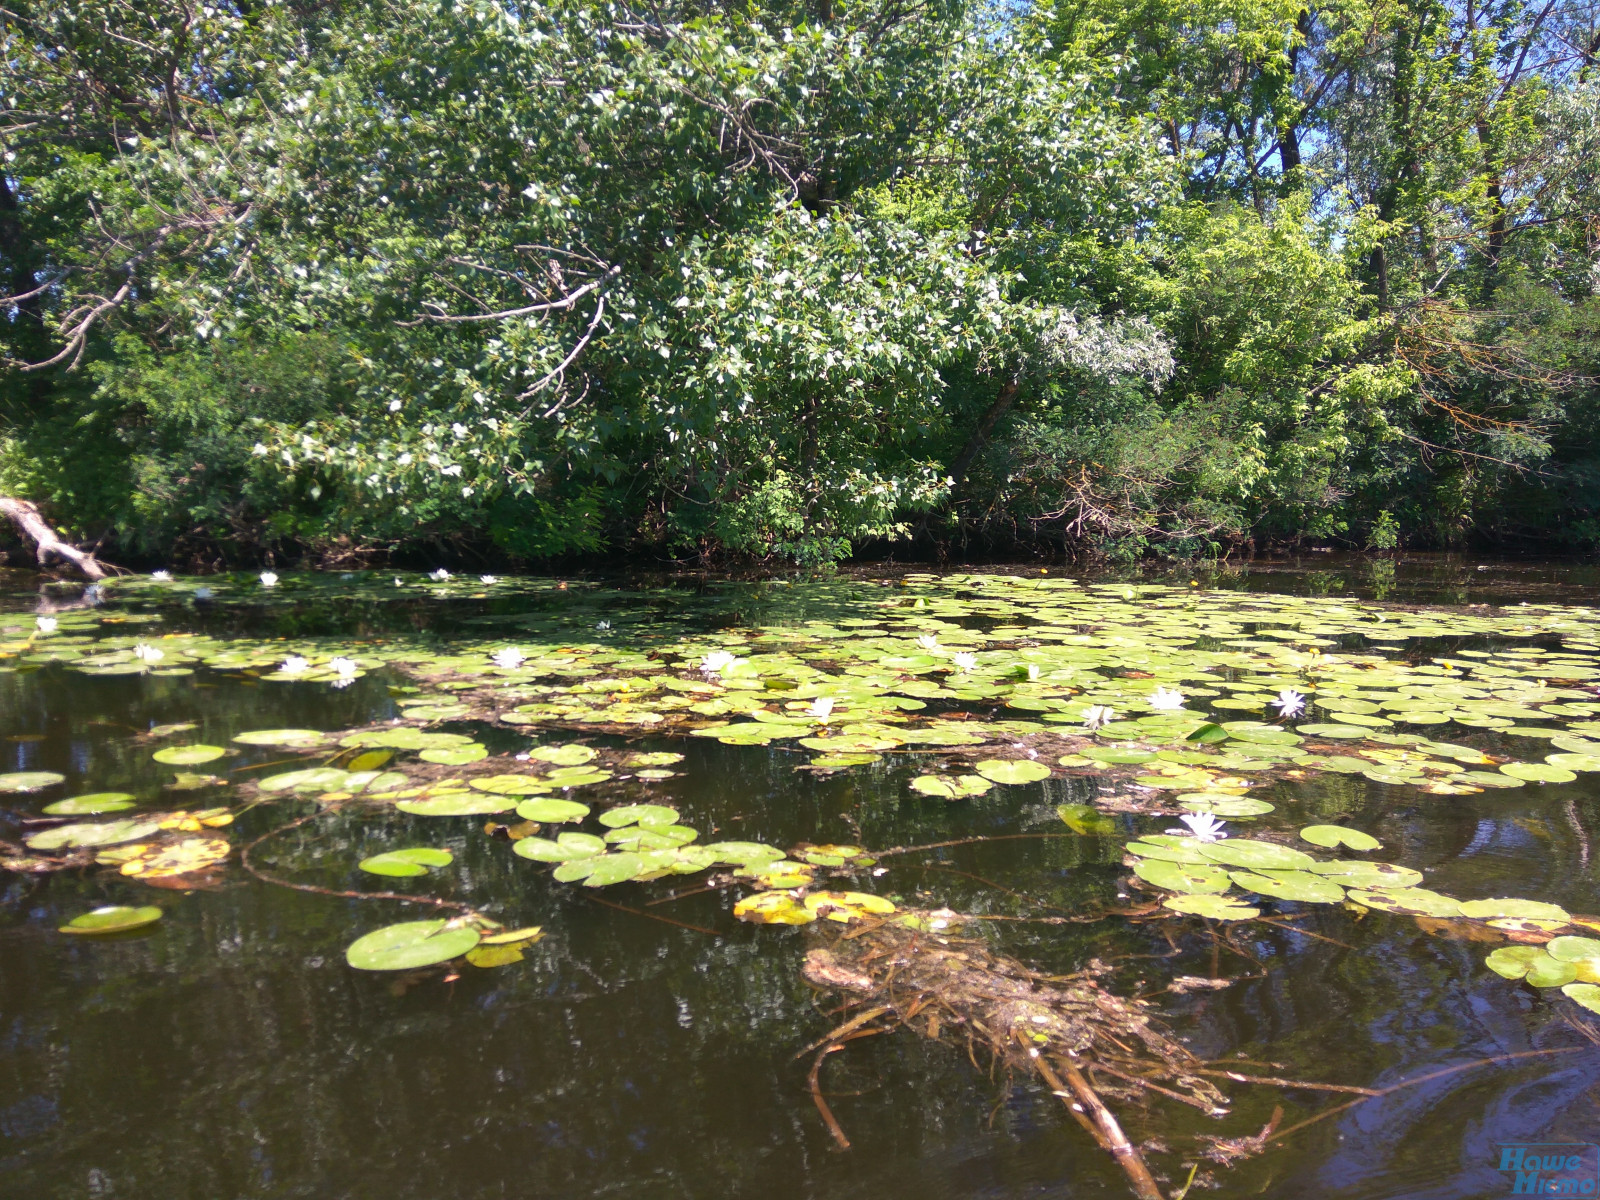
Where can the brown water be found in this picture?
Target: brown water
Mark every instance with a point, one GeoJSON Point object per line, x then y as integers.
{"type": "Point", "coordinates": [231, 1053]}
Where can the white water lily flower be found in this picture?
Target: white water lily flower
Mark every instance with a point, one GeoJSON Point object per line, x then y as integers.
{"type": "Point", "coordinates": [161, 576]}
{"type": "Point", "coordinates": [1033, 672]}
{"type": "Point", "coordinates": [603, 626]}
{"type": "Point", "coordinates": [439, 576]}
{"type": "Point", "coordinates": [510, 658]}
{"type": "Point", "coordinates": [294, 665]}
{"type": "Point", "coordinates": [147, 653]}
{"type": "Point", "coordinates": [1165, 699]}
{"type": "Point", "coordinates": [821, 708]}
{"type": "Point", "coordinates": [398, 582]}
{"type": "Point", "coordinates": [1202, 826]}
{"type": "Point", "coordinates": [346, 668]}
{"type": "Point", "coordinates": [488, 579]}
{"type": "Point", "coordinates": [203, 593]}
{"type": "Point", "coordinates": [1097, 716]}
{"type": "Point", "coordinates": [716, 662]}
{"type": "Point", "coordinates": [1289, 703]}
{"type": "Point", "coordinates": [94, 594]}
{"type": "Point", "coordinates": [929, 642]}
{"type": "Point", "coordinates": [46, 624]}
{"type": "Point", "coordinates": [269, 579]}
{"type": "Point", "coordinates": [965, 661]}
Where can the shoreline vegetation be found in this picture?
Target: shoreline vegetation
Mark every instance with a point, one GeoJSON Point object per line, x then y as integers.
{"type": "Point", "coordinates": [372, 281]}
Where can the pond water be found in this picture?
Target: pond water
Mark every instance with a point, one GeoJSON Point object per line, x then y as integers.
{"type": "Point", "coordinates": [650, 1044]}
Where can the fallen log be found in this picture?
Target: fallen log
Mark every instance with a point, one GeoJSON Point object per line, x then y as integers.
{"type": "Point", "coordinates": [25, 515]}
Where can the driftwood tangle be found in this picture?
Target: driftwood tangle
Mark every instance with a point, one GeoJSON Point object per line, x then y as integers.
{"type": "Point", "coordinates": [1080, 1040]}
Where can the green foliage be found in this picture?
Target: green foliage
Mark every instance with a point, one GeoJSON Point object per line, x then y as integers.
{"type": "Point", "coordinates": [292, 280]}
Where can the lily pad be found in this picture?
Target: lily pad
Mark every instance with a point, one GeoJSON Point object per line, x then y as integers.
{"type": "Point", "coordinates": [188, 756]}
{"type": "Point", "coordinates": [183, 857]}
{"type": "Point", "coordinates": [1242, 852]}
{"type": "Point", "coordinates": [1352, 873]}
{"type": "Point", "coordinates": [460, 804]}
{"type": "Point", "coordinates": [279, 737]}
{"type": "Point", "coordinates": [1537, 772]}
{"type": "Point", "coordinates": [552, 811]}
{"type": "Point", "coordinates": [313, 779]}
{"type": "Point", "coordinates": [848, 906]}
{"type": "Point", "coordinates": [951, 787]}
{"type": "Point", "coordinates": [1222, 805]}
{"type": "Point", "coordinates": [512, 785]}
{"type": "Point", "coordinates": [455, 756]}
{"type": "Point", "coordinates": [1510, 907]}
{"type": "Point", "coordinates": [402, 863]}
{"type": "Point", "coordinates": [1218, 908]}
{"type": "Point", "coordinates": [113, 918]}
{"type": "Point", "coordinates": [1337, 835]}
{"type": "Point", "coordinates": [95, 802]}
{"type": "Point", "coordinates": [1586, 994]}
{"type": "Point", "coordinates": [410, 945]}
{"type": "Point", "coordinates": [1190, 878]}
{"type": "Point", "coordinates": [103, 833]}
{"type": "Point", "coordinates": [773, 908]}
{"type": "Point", "coordinates": [30, 781]}
{"type": "Point", "coordinates": [638, 814]}
{"type": "Point", "coordinates": [570, 755]}
{"type": "Point", "coordinates": [567, 847]}
{"type": "Point", "coordinates": [1012, 771]}
{"type": "Point", "coordinates": [1086, 819]}
{"type": "Point", "coordinates": [1574, 949]}
{"type": "Point", "coordinates": [1168, 849]}
{"type": "Point", "coordinates": [1290, 885]}
{"type": "Point", "coordinates": [1416, 902]}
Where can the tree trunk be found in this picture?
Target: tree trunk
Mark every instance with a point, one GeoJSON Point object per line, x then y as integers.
{"type": "Point", "coordinates": [1001, 406]}
{"type": "Point", "coordinates": [33, 526]}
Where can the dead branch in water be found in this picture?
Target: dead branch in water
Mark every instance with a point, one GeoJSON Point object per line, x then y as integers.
{"type": "Point", "coordinates": [31, 524]}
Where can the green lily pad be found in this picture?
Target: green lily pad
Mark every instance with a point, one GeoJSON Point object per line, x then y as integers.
{"type": "Point", "coordinates": [744, 853]}
{"type": "Point", "coordinates": [638, 814]}
{"type": "Point", "coordinates": [1335, 731]}
{"type": "Point", "coordinates": [568, 777]}
{"type": "Point", "coordinates": [1574, 949]}
{"type": "Point", "coordinates": [1513, 962]}
{"type": "Point", "coordinates": [570, 755]}
{"type": "Point", "coordinates": [655, 758]}
{"type": "Point", "coordinates": [98, 833]}
{"type": "Point", "coordinates": [313, 779]}
{"type": "Point", "coordinates": [650, 837]}
{"type": "Point", "coordinates": [1242, 852]}
{"type": "Point", "coordinates": [1415, 902]}
{"type": "Point", "coordinates": [1351, 873]}
{"type": "Point", "coordinates": [567, 847]}
{"type": "Point", "coordinates": [1112, 754]}
{"type": "Point", "coordinates": [1518, 909]}
{"type": "Point", "coordinates": [399, 863]}
{"type": "Point", "coordinates": [1574, 762]}
{"type": "Point", "coordinates": [1086, 819]}
{"type": "Point", "coordinates": [1290, 885]}
{"type": "Point", "coordinates": [1182, 877]}
{"type": "Point", "coordinates": [30, 781]}
{"type": "Point", "coordinates": [95, 802]}
{"type": "Point", "coordinates": [951, 787]}
{"type": "Point", "coordinates": [112, 919]}
{"type": "Point", "coordinates": [1338, 835]}
{"type": "Point", "coordinates": [1221, 805]}
{"type": "Point", "coordinates": [188, 756]}
{"type": "Point", "coordinates": [460, 804]}
{"type": "Point", "coordinates": [410, 945]}
{"type": "Point", "coordinates": [1586, 994]}
{"type": "Point", "coordinates": [552, 811]}
{"type": "Point", "coordinates": [512, 785]}
{"type": "Point", "coordinates": [1168, 849]}
{"type": "Point", "coordinates": [455, 756]}
{"type": "Point", "coordinates": [279, 737]}
{"type": "Point", "coordinates": [1218, 908]}
{"type": "Point", "coordinates": [1012, 771]}
{"type": "Point", "coordinates": [1537, 772]}
{"type": "Point", "coordinates": [403, 739]}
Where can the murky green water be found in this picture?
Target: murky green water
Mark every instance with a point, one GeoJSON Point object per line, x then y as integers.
{"type": "Point", "coordinates": [230, 1052]}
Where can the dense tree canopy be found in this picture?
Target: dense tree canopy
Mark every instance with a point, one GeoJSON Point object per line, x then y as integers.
{"type": "Point", "coordinates": [332, 277]}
